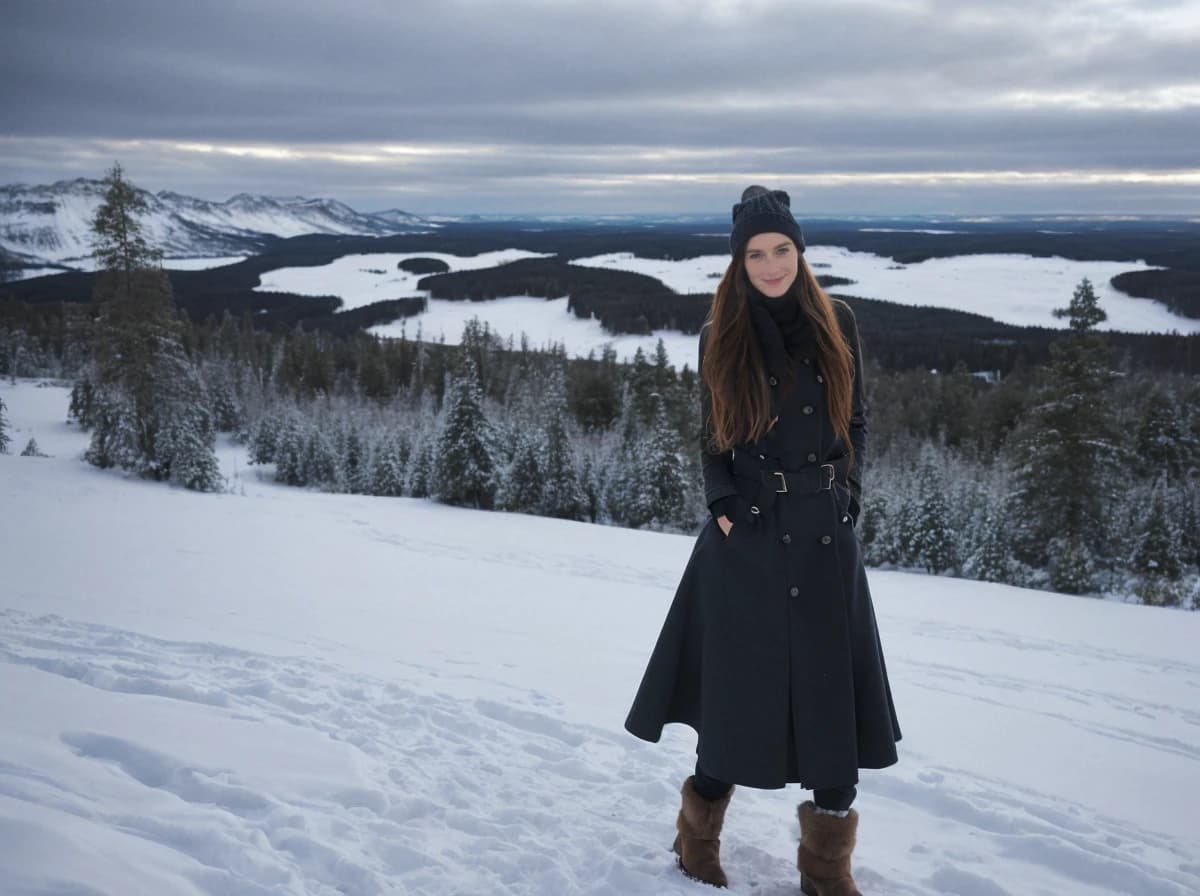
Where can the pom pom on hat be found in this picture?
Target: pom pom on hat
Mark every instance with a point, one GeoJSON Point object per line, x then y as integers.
{"type": "Point", "coordinates": [763, 211]}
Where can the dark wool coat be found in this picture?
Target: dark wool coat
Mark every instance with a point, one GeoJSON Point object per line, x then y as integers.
{"type": "Point", "coordinates": [770, 649]}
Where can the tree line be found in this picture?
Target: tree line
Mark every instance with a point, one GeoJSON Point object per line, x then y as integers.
{"type": "Point", "coordinates": [1078, 475]}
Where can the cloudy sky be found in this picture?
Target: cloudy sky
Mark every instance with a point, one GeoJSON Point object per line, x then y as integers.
{"type": "Point", "coordinates": [854, 106]}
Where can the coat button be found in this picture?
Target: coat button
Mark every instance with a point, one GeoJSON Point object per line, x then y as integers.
{"type": "Point", "coordinates": [795, 592]}
{"type": "Point", "coordinates": [820, 379]}
{"type": "Point", "coordinates": [812, 458]}
{"type": "Point", "coordinates": [825, 539]}
{"type": "Point", "coordinates": [787, 539]}
{"type": "Point", "coordinates": [808, 360]}
{"type": "Point", "coordinates": [845, 517]}
{"type": "Point", "coordinates": [773, 381]}
{"type": "Point", "coordinates": [808, 409]}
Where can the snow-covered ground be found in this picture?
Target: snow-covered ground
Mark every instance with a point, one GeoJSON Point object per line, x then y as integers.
{"type": "Point", "coordinates": [279, 691]}
{"type": "Point", "coordinates": [365, 279]}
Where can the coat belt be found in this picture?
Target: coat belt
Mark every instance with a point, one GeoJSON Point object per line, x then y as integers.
{"type": "Point", "coordinates": [773, 483]}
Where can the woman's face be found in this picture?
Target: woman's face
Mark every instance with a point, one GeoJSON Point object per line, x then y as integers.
{"type": "Point", "coordinates": [772, 263]}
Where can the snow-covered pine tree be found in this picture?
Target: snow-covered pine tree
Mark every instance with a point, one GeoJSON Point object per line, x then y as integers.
{"type": "Point", "coordinates": [641, 396]}
{"type": "Point", "coordinates": [144, 391]}
{"type": "Point", "coordinates": [32, 449]}
{"type": "Point", "coordinates": [1072, 566]}
{"type": "Point", "coordinates": [465, 470]}
{"type": "Point", "coordinates": [264, 437]}
{"type": "Point", "coordinates": [935, 541]}
{"type": "Point", "coordinates": [1066, 455]}
{"type": "Point", "coordinates": [389, 460]}
{"type": "Point", "coordinates": [320, 462]}
{"type": "Point", "coordinates": [354, 474]}
{"type": "Point", "coordinates": [420, 473]}
{"type": "Point", "coordinates": [4, 437]}
{"type": "Point", "coordinates": [82, 403]}
{"type": "Point", "coordinates": [1157, 560]}
{"type": "Point", "coordinates": [563, 495]}
{"type": "Point", "coordinates": [289, 450]}
{"type": "Point", "coordinates": [992, 559]}
{"type": "Point", "coordinates": [187, 437]}
{"type": "Point", "coordinates": [591, 489]}
{"type": "Point", "coordinates": [1163, 439]}
{"type": "Point", "coordinates": [667, 484]}
{"type": "Point", "coordinates": [521, 487]}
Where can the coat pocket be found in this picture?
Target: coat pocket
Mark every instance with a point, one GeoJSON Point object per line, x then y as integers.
{"type": "Point", "coordinates": [844, 499]}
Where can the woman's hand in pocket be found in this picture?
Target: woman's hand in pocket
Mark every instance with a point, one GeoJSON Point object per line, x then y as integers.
{"type": "Point", "coordinates": [725, 524]}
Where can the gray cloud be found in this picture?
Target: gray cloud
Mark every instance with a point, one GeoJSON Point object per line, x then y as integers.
{"type": "Point", "coordinates": [574, 98]}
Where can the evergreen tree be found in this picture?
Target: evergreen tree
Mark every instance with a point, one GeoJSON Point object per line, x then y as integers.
{"type": "Point", "coordinates": [145, 400]}
{"type": "Point", "coordinates": [934, 539]}
{"type": "Point", "coordinates": [320, 460]}
{"type": "Point", "coordinates": [668, 487]}
{"type": "Point", "coordinates": [1163, 440]}
{"type": "Point", "coordinates": [118, 244]}
{"type": "Point", "coordinates": [466, 468]}
{"type": "Point", "coordinates": [289, 451]}
{"type": "Point", "coordinates": [31, 449]}
{"type": "Point", "coordinates": [642, 395]}
{"type": "Point", "coordinates": [1157, 553]}
{"type": "Point", "coordinates": [1072, 565]}
{"type": "Point", "coordinates": [562, 492]}
{"type": "Point", "coordinates": [1067, 455]}
{"type": "Point", "coordinates": [264, 438]}
{"type": "Point", "coordinates": [564, 496]}
{"type": "Point", "coordinates": [521, 490]}
{"type": "Point", "coordinates": [420, 475]}
{"type": "Point", "coordinates": [390, 459]}
{"type": "Point", "coordinates": [4, 437]}
{"type": "Point", "coordinates": [592, 490]}
{"type": "Point", "coordinates": [647, 488]}
{"type": "Point", "coordinates": [354, 473]}
{"type": "Point", "coordinates": [991, 558]}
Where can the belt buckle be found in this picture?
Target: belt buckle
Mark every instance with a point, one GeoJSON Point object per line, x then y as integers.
{"type": "Point", "coordinates": [832, 473]}
{"type": "Point", "coordinates": [782, 481]}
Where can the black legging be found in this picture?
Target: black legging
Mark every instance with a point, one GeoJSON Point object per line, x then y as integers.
{"type": "Point", "coordinates": [836, 799]}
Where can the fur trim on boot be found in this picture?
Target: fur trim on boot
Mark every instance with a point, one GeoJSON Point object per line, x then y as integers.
{"type": "Point", "coordinates": [698, 843]}
{"type": "Point", "coordinates": [823, 857]}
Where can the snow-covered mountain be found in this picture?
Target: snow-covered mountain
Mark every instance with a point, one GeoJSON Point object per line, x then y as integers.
{"type": "Point", "coordinates": [52, 223]}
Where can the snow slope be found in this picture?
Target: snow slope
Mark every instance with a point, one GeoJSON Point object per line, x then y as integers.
{"type": "Point", "coordinates": [278, 691]}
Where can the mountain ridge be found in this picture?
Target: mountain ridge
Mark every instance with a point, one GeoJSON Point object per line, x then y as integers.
{"type": "Point", "coordinates": [50, 224]}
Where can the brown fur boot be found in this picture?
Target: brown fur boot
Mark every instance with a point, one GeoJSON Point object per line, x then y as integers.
{"type": "Point", "coordinates": [698, 842]}
{"type": "Point", "coordinates": [823, 857]}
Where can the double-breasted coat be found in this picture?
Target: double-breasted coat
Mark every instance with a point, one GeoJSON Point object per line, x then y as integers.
{"type": "Point", "coordinates": [770, 649]}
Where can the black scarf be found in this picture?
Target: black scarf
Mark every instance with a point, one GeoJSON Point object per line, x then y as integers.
{"type": "Point", "coordinates": [784, 332]}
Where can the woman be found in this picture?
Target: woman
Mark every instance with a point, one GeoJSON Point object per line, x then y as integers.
{"type": "Point", "coordinates": [770, 649]}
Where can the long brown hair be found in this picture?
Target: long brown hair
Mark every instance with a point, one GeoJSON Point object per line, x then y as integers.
{"type": "Point", "coordinates": [735, 371]}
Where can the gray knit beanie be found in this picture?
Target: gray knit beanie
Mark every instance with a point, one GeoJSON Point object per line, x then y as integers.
{"type": "Point", "coordinates": [763, 211]}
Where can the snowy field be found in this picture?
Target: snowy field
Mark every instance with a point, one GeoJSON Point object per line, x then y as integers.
{"type": "Point", "coordinates": [279, 691]}
{"type": "Point", "coordinates": [366, 279]}
{"type": "Point", "coordinates": [1016, 289]}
